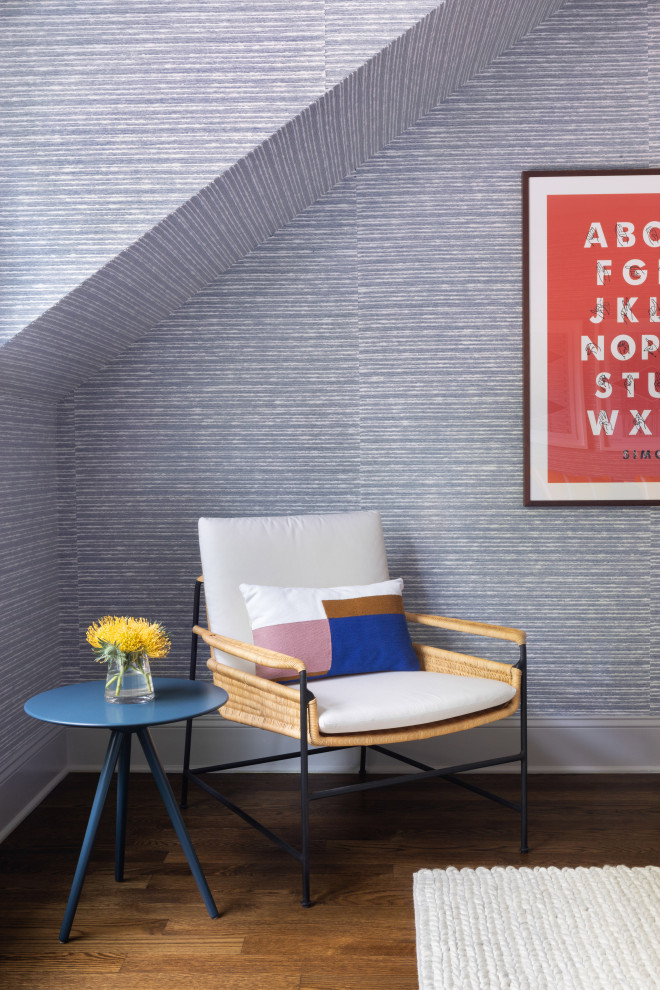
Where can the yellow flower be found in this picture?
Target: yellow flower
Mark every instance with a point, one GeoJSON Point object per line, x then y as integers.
{"type": "Point", "coordinates": [155, 641]}
{"type": "Point", "coordinates": [129, 636]}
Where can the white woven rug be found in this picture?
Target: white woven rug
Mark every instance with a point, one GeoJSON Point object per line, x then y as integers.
{"type": "Point", "coordinates": [538, 929]}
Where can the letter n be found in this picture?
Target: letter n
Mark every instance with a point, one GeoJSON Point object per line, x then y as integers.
{"type": "Point", "coordinates": [588, 347]}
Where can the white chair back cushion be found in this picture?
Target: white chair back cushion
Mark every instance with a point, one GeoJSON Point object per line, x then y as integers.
{"type": "Point", "coordinates": [313, 551]}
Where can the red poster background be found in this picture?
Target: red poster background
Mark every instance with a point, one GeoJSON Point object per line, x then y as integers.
{"type": "Point", "coordinates": [575, 454]}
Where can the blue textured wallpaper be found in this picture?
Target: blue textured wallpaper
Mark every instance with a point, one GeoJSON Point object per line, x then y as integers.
{"type": "Point", "coordinates": [29, 577]}
{"type": "Point", "coordinates": [117, 111]}
{"type": "Point", "coordinates": [113, 112]}
{"type": "Point", "coordinates": [245, 399]}
{"type": "Point", "coordinates": [259, 194]}
{"type": "Point", "coordinates": [369, 355]}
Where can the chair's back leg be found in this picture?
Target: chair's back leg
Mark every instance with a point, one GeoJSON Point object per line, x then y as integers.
{"type": "Point", "coordinates": [191, 676]}
{"type": "Point", "coordinates": [522, 664]}
{"type": "Point", "coordinates": [363, 762]}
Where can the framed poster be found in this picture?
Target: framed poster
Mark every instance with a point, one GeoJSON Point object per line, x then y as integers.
{"type": "Point", "coordinates": [592, 337]}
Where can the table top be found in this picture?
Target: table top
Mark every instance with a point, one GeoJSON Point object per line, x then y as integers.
{"type": "Point", "coordinates": [84, 704]}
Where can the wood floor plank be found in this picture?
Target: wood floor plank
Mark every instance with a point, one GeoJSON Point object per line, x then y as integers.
{"type": "Point", "coordinates": [293, 946]}
{"type": "Point", "coordinates": [362, 981]}
{"type": "Point", "coordinates": [206, 960]}
{"type": "Point", "coordinates": [159, 981]}
{"type": "Point", "coordinates": [51, 959]}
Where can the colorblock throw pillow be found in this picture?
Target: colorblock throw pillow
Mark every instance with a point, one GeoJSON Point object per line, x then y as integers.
{"type": "Point", "coordinates": [334, 631]}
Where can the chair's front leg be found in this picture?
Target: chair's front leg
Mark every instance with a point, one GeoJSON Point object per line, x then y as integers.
{"type": "Point", "coordinates": [304, 789]}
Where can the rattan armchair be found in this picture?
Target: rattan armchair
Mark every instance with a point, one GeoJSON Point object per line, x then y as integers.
{"type": "Point", "coordinates": [292, 710]}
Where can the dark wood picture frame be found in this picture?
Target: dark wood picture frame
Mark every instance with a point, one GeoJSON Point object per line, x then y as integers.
{"type": "Point", "coordinates": [591, 313]}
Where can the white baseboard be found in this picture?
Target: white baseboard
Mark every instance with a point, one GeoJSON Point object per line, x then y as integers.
{"type": "Point", "coordinates": [24, 789]}
{"type": "Point", "coordinates": [594, 744]}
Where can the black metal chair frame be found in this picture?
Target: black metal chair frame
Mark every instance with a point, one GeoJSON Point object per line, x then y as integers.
{"type": "Point", "coordinates": [304, 752]}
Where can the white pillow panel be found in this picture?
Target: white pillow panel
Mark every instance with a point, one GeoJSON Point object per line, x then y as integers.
{"type": "Point", "coordinates": [268, 606]}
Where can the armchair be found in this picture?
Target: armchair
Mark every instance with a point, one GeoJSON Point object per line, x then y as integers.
{"type": "Point", "coordinates": [449, 693]}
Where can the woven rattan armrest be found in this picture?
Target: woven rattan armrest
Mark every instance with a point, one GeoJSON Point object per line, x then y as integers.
{"type": "Point", "coordinates": [247, 651]}
{"type": "Point", "coordinates": [447, 662]}
{"type": "Point", "coordinates": [466, 625]}
{"type": "Point", "coordinates": [258, 701]}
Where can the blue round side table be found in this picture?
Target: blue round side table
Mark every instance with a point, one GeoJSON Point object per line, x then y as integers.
{"type": "Point", "coordinates": [84, 704]}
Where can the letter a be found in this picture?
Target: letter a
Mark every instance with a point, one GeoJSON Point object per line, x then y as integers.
{"type": "Point", "coordinates": [595, 236]}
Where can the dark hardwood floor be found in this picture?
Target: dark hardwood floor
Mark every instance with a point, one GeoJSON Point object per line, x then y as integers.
{"type": "Point", "coordinates": [152, 931]}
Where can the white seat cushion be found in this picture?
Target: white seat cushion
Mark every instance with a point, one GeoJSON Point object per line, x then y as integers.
{"type": "Point", "coordinates": [394, 699]}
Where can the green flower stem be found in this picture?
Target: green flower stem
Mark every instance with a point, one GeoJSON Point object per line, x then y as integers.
{"type": "Point", "coordinates": [138, 667]}
{"type": "Point", "coordinates": [136, 662]}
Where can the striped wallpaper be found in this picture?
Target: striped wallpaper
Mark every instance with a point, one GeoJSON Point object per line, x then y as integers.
{"type": "Point", "coordinates": [366, 354]}
{"type": "Point", "coordinates": [262, 192]}
{"type": "Point", "coordinates": [369, 355]}
{"type": "Point", "coordinates": [99, 100]}
{"type": "Point", "coordinates": [117, 111]}
{"type": "Point", "coordinates": [30, 658]}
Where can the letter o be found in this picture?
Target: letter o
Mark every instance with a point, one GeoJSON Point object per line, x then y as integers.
{"type": "Point", "coordinates": [622, 347]}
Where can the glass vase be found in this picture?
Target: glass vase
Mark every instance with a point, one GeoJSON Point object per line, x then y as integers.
{"type": "Point", "coordinates": [128, 680]}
